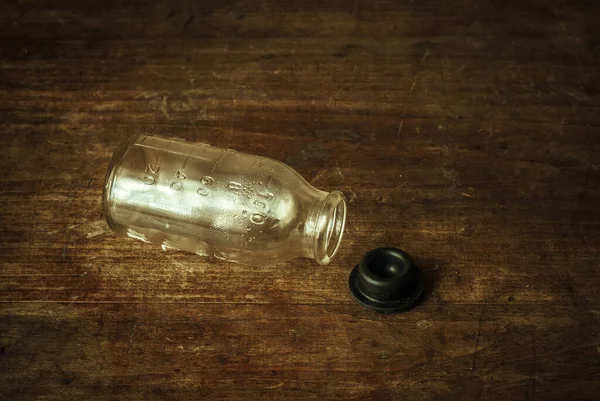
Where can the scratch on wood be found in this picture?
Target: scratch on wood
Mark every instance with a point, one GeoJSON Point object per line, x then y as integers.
{"type": "Point", "coordinates": [132, 332]}
{"type": "Point", "coordinates": [425, 55]}
{"type": "Point", "coordinates": [338, 170]}
{"type": "Point", "coordinates": [418, 342]}
{"type": "Point", "coordinates": [163, 107]}
{"type": "Point", "coordinates": [177, 263]}
{"type": "Point", "coordinates": [131, 336]}
{"type": "Point", "coordinates": [561, 128]}
{"type": "Point", "coordinates": [53, 316]}
{"type": "Point", "coordinates": [586, 162]}
{"type": "Point", "coordinates": [412, 87]}
{"type": "Point", "coordinates": [189, 21]}
{"type": "Point", "coordinates": [150, 95]}
{"type": "Point", "coordinates": [94, 234]}
{"type": "Point", "coordinates": [424, 324]}
{"type": "Point", "coordinates": [318, 176]}
{"type": "Point", "coordinates": [399, 130]}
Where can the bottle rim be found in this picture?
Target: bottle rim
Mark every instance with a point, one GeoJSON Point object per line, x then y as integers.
{"type": "Point", "coordinates": [111, 172]}
{"type": "Point", "coordinates": [331, 222]}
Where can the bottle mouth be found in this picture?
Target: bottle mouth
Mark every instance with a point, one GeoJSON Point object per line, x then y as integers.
{"type": "Point", "coordinates": [330, 227]}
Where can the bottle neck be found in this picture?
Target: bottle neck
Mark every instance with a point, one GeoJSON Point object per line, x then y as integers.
{"type": "Point", "coordinates": [325, 226]}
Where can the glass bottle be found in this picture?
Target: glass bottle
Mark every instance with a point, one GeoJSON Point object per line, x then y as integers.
{"type": "Point", "coordinates": [218, 202]}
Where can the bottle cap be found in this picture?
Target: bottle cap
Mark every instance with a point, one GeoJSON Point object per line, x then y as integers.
{"type": "Point", "coordinates": [386, 280]}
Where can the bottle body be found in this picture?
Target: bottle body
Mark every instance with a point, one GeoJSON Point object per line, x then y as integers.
{"type": "Point", "coordinates": [218, 202]}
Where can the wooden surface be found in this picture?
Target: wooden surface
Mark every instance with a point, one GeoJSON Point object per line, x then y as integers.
{"type": "Point", "coordinates": [465, 132]}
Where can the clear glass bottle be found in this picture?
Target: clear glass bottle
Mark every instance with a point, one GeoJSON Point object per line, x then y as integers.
{"type": "Point", "coordinates": [217, 202]}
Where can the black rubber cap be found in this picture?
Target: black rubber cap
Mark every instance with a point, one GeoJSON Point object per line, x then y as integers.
{"type": "Point", "coordinates": [386, 280]}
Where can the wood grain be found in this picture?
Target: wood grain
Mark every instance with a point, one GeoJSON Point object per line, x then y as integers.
{"type": "Point", "coordinates": [466, 133]}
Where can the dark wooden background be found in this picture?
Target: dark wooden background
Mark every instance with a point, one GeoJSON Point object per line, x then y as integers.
{"type": "Point", "coordinates": [465, 132]}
